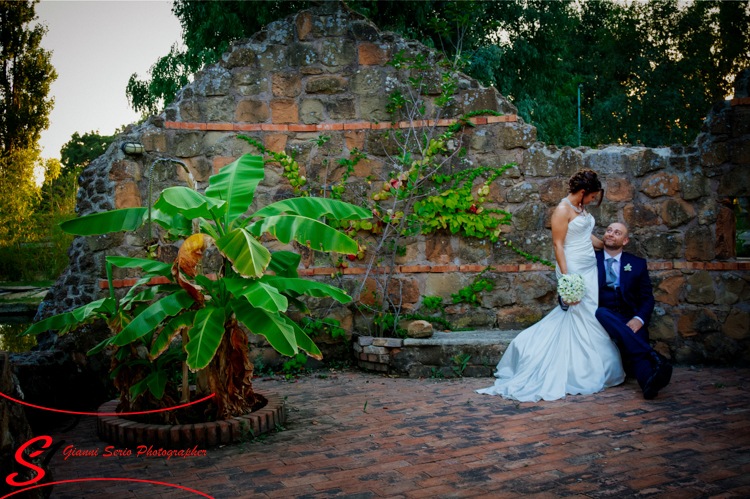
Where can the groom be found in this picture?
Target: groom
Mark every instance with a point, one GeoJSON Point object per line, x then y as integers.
{"type": "Point", "coordinates": [625, 305]}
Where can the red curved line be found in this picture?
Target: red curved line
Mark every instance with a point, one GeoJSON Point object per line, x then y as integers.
{"type": "Point", "coordinates": [104, 413]}
{"type": "Point", "coordinates": [110, 479]}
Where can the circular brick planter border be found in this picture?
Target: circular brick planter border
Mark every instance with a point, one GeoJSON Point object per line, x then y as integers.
{"type": "Point", "coordinates": [126, 433]}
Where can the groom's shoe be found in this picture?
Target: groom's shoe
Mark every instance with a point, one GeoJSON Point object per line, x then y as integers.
{"type": "Point", "coordinates": [659, 378]}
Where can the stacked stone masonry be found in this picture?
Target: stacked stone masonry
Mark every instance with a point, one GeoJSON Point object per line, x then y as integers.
{"type": "Point", "coordinates": [323, 72]}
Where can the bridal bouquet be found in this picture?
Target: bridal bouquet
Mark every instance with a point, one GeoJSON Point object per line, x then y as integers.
{"type": "Point", "coordinates": [571, 288]}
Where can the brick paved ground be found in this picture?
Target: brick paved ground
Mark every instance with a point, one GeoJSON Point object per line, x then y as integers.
{"type": "Point", "coordinates": [429, 438]}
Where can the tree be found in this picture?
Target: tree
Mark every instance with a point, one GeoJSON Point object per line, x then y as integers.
{"type": "Point", "coordinates": [25, 77]}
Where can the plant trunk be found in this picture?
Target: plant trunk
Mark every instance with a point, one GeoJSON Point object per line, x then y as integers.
{"type": "Point", "coordinates": [231, 374]}
{"type": "Point", "coordinates": [185, 383]}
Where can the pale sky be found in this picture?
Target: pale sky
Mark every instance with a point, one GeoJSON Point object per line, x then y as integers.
{"type": "Point", "coordinates": [96, 45]}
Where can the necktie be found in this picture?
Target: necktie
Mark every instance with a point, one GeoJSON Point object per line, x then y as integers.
{"type": "Point", "coordinates": [611, 277]}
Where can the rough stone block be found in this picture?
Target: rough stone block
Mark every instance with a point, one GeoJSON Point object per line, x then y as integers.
{"type": "Point", "coordinates": [668, 286]}
{"type": "Point", "coordinates": [284, 111]}
{"type": "Point", "coordinates": [218, 109]}
{"type": "Point", "coordinates": [640, 215]}
{"type": "Point", "coordinates": [661, 184]}
{"type": "Point", "coordinates": [732, 288]}
{"type": "Point", "coordinates": [187, 144]}
{"type": "Point", "coordinates": [190, 110]}
{"type": "Point", "coordinates": [539, 161]}
{"type": "Point", "coordinates": [662, 245]}
{"type": "Point", "coordinates": [438, 248]}
{"type": "Point", "coordinates": [122, 169]}
{"type": "Point", "coordinates": [404, 290]}
{"type": "Point", "coordinates": [154, 140]}
{"type": "Point", "coordinates": [326, 85]}
{"type": "Point", "coordinates": [127, 195]}
{"type": "Point", "coordinates": [740, 152]}
{"type": "Point", "coordinates": [311, 111]}
{"type": "Point", "coordinates": [700, 288]}
{"type": "Point", "coordinates": [648, 161]}
{"type": "Point", "coordinates": [693, 321]}
{"type": "Point", "coordinates": [725, 233]}
{"type": "Point", "coordinates": [443, 285]}
{"type": "Point", "coordinates": [374, 108]}
{"type": "Point", "coordinates": [342, 109]}
{"type": "Point", "coordinates": [661, 326]}
{"type": "Point", "coordinates": [675, 212]}
{"type": "Point", "coordinates": [694, 185]}
{"type": "Point", "coordinates": [481, 141]}
{"type": "Point", "coordinates": [275, 141]}
{"type": "Point", "coordinates": [699, 245]}
{"type": "Point", "coordinates": [569, 162]}
{"type": "Point", "coordinates": [530, 217]}
{"type": "Point", "coordinates": [521, 192]}
{"type": "Point", "coordinates": [518, 317]}
{"type": "Point", "coordinates": [213, 82]}
{"type": "Point", "coordinates": [286, 84]}
{"type": "Point", "coordinates": [250, 82]}
{"type": "Point", "coordinates": [304, 24]}
{"type": "Point", "coordinates": [275, 56]}
{"type": "Point", "coordinates": [619, 189]}
{"type": "Point", "coordinates": [371, 54]}
{"type": "Point", "coordinates": [354, 139]}
{"type": "Point", "coordinates": [251, 111]}
{"type": "Point", "coordinates": [420, 329]}
{"type": "Point", "coordinates": [737, 325]}
{"type": "Point", "coordinates": [366, 81]}
{"type": "Point", "coordinates": [372, 349]}
{"type": "Point", "coordinates": [364, 31]}
{"type": "Point", "coordinates": [479, 99]}
{"type": "Point", "coordinates": [514, 135]}
{"type": "Point", "coordinates": [553, 190]}
{"type": "Point", "coordinates": [240, 57]}
{"type": "Point", "coordinates": [714, 154]}
{"type": "Point", "coordinates": [338, 52]}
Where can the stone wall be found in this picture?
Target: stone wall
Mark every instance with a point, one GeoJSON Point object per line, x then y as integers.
{"type": "Point", "coordinates": [323, 72]}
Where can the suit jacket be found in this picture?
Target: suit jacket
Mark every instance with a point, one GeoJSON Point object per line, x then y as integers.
{"type": "Point", "coordinates": [635, 284]}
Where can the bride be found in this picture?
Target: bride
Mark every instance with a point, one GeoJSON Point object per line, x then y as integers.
{"type": "Point", "coordinates": [567, 351]}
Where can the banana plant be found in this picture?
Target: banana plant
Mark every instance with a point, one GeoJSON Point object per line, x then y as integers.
{"type": "Point", "coordinates": [254, 287]}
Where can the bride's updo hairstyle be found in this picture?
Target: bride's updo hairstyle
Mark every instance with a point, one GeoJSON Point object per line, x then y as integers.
{"type": "Point", "coordinates": [588, 182]}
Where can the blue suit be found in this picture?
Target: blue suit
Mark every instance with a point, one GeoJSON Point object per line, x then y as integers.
{"type": "Point", "coordinates": [617, 307]}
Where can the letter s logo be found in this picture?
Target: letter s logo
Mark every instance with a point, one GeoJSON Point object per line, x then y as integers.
{"type": "Point", "coordinates": [20, 460]}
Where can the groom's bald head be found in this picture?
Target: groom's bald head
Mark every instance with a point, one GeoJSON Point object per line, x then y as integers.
{"type": "Point", "coordinates": [616, 236]}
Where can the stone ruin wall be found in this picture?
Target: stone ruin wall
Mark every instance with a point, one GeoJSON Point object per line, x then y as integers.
{"type": "Point", "coordinates": [323, 71]}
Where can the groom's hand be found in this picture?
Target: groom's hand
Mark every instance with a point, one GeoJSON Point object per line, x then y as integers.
{"type": "Point", "coordinates": [634, 324]}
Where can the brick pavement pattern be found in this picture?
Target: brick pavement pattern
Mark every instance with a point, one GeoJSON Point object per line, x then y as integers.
{"type": "Point", "coordinates": [438, 439]}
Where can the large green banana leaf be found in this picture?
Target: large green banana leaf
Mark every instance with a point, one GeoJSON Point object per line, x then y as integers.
{"type": "Point", "coordinates": [315, 208]}
{"type": "Point", "coordinates": [150, 293]}
{"type": "Point", "coordinates": [259, 294]}
{"type": "Point", "coordinates": [150, 318]}
{"type": "Point", "coordinates": [249, 258]}
{"type": "Point", "coordinates": [177, 225]}
{"type": "Point", "coordinates": [307, 231]}
{"type": "Point", "coordinates": [305, 287]}
{"type": "Point", "coordinates": [181, 200]}
{"type": "Point", "coordinates": [170, 330]}
{"type": "Point", "coordinates": [303, 341]}
{"type": "Point", "coordinates": [64, 322]}
{"type": "Point", "coordinates": [205, 337]}
{"type": "Point", "coordinates": [125, 219]}
{"type": "Point", "coordinates": [236, 184]}
{"type": "Point", "coordinates": [271, 325]}
{"type": "Point", "coordinates": [151, 266]}
{"type": "Point", "coordinates": [285, 263]}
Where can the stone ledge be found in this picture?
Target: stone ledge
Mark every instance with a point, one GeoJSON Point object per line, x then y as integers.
{"type": "Point", "coordinates": [477, 337]}
{"type": "Point", "coordinates": [360, 125]}
{"type": "Point", "coordinates": [432, 269]}
{"type": "Point", "coordinates": [125, 433]}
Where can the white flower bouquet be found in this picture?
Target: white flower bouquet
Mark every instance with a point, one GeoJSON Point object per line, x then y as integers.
{"type": "Point", "coordinates": [571, 288]}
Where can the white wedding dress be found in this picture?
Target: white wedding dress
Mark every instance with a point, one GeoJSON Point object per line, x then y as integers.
{"type": "Point", "coordinates": [567, 351]}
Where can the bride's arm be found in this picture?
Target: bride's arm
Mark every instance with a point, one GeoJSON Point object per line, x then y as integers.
{"type": "Point", "coordinates": [598, 243]}
{"type": "Point", "coordinates": [559, 230]}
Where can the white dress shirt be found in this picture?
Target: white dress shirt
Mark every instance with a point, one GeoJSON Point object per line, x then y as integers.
{"type": "Point", "coordinates": [616, 271]}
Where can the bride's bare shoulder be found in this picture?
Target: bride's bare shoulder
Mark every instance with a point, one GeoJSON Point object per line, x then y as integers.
{"type": "Point", "coordinates": [563, 211]}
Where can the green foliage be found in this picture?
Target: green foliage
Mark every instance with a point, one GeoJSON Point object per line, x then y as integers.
{"type": "Point", "coordinates": [437, 374]}
{"type": "Point", "coordinates": [294, 365]}
{"type": "Point", "coordinates": [205, 309]}
{"type": "Point", "coordinates": [329, 326]}
{"type": "Point", "coordinates": [460, 360]}
{"type": "Point", "coordinates": [433, 303]}
{"type": "Point", "coordinates": [469, 294]}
